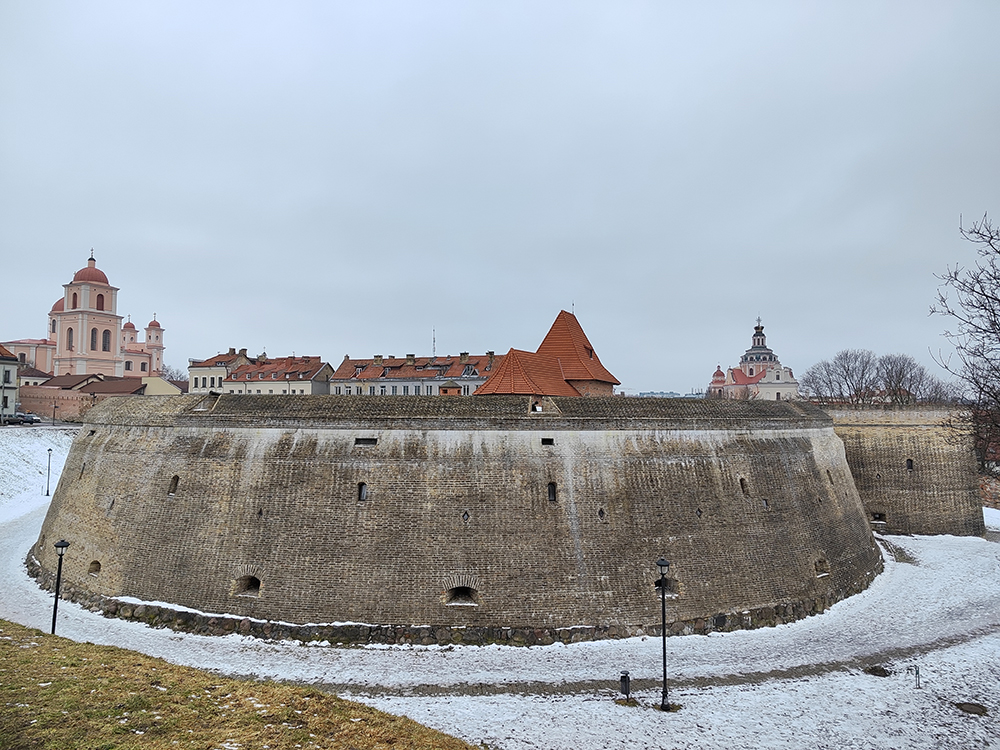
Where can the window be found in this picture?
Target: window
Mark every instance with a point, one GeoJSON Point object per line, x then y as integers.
{"type": "Point", "coordinates": [362, 492]}
{"type": "Point", "coordinates": [394, 390]}
{"type": "Point", "coordinates": [53, 325]}
{"type": "Point", "coordinates": [142, 366]}
{"type": "Point", "coordinates": [247, 586]}
{"type": "Point", "coordinates": [751, 371]}
{"type": "Point", "coordinates": [93, 339]}
{"type": "Point", "coordinates": [347, 391]}
{"type": "Point", "coordinates": [909, 464]}
{"type": "Point", "coordinates": [465, 390]}
{"type": "Point", "coordinates": [743, 487]}
{"type": "Point", "coordinates": [6, 376]}
{"type": "Point", "coordinates": [548, 441]}
{"type": "Point", "coordinates": [100, 301]}
{"type": "Point", "coordinates": [416, 390]}
{"type": "Point", "coordinates": [371, 390]}
{"type": "Point", "coordinates": [128, 365]}
{"type": "Point", "coordinates": [822, 568]}
{"type": "Point", "coordinates": [552, 492]}
{"type": "Point", "coordinates": [69, 339]}
{"type": "Point", "coordinates": [212, 382]}
{"type": "Point", "coordinates": [406, 390]}
{"type": "Point", "coordinates": [271, 391]}
{"type": "Point", "coordinates": [74, 301]}
{"type": "Point", "coordinates": [337, 390]}
{"type": "Point", "coordinates": [366, 441]}
{"type": "Point", "coordinates": [777, 375]}
{"type": "Point", "coordinates": [95, 568]}
{"type": "Point", "coordinates": [106, 341]}
{"type": "Point", "coordinates": [777, 396]}
{"type": "Point", "coordinates": [381, 390]}
{"type": "Point", "coordinates": [172, 489]}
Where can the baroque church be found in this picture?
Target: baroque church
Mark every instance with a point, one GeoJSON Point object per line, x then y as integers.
{"type": "Point", "coordinates": [85, 334]}
{"type": "Point", "coordinates": [759, 376]}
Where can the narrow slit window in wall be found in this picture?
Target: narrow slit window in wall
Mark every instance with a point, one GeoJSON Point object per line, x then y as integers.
{"type": "Point", "coordinates": [95, 568]}
{"type": "Point", "coordinates": [366, 441]}
{"type": "Point", "coordinates": [822, 568]}
{"type": "Point", "coordinates": [829, 476]}
{"type": "Point", "coordinates": [548, 441]}
{"type": "Point", "coordinates": [552, 492]}
{"type": "Point", "coordinates": [878, 517]}
{"type": "Point", "coordinates": [671, 586]}
{"type": "Point", "coordinates": [172, 489]}
{"type": "Point", "coordinates": [743, 487]}
{"type": "Point", "coordinates": [362, 492]}
{"type": "Point", "coordinates": [909, 464]}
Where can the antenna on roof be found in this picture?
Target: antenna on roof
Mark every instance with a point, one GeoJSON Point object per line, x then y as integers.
{"type": "Point", "coordinates": [434, 346]}
{"type": "Point", "coordinates": [572, 306]}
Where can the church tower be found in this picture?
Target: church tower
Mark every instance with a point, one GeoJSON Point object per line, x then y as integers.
{"type": "Point", "coordinates": [154, 346]}
{"type": "Point", "coordinates": [87, 328]}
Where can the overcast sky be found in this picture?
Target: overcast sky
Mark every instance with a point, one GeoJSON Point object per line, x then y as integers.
{"type": "Point", "coordinates": [343, 178]}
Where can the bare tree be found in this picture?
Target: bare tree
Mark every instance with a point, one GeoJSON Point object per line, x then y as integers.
{"type": "Point", "coordinates": [172, 373]}
{"type": "Point", "coordinates": [902, 379]}
{"type": "Point", "coordinates": [857, 376]}
{"type": "Point", "coordinates": [975, 312]}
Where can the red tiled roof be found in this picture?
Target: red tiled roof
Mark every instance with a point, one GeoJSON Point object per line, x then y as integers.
{"type": "Point", "coordinates": [4, 352]}
{"type": "Point", "coordinates": [398, 368]}
{"type": "Point", "coordinates": [59, 305]}
{"type": "Point", "coordinates": [567, 343]}
{"type": "Point", "coordinates": [278, 369]}
{"type": "Point", "coordinates": [527, 373]}
{"type": "Point", "coordinates": [219, 360]}
{"type": "Point", "coordinates": [741, 378]}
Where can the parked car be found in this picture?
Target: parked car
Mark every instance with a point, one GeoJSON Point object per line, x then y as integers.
{"type": "Point", "coordinates": [30, 418]}
{"type": "Point", "coordinates": [11, 419]}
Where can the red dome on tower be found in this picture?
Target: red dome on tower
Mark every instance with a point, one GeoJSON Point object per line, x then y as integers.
{"type": "Point", "coordinates": [59, 305]}
{"type": "Point", "coordinates": [129, 325]}
{"type": "Point", "coordinates": [153, 324]}
{"type": "Point", "coordinates": [91, 272]}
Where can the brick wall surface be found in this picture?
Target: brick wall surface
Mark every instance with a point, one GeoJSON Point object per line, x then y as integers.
{"type": "Point", "coordinates": [914, 474]}
{"type": "Point", "coordinates": [753, 504]}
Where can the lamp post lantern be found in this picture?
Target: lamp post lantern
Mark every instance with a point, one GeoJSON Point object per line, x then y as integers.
{"type": "Point", "coordinates": [664, 566]}
{"type": "Point", "coordinates": [60, 546]}
{"type": "Point", "coordinates": [48, 474]}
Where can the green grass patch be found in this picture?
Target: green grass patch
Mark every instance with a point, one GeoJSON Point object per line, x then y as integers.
{"type": "Point", "coordinates": [56, 693]}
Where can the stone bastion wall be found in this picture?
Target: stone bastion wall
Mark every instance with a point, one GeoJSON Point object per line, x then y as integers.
{"type": "Point", "coordinates": [914, 473]}
{"type": "Point", "coordinates": [451, 515]}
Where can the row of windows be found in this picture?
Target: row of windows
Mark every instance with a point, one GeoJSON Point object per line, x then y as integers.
{"type": "Point", "coordinates": [142, 366]}
{"type": "Point", "coordinates": [389, 390]}
{"type": "Point", "coordinates": [74, 302]}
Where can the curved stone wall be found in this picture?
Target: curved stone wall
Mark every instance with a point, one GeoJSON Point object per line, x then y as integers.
{"type": "Point", "coordinates": [462, 512]}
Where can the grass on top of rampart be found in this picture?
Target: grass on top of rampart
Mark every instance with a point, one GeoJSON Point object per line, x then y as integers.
{"type": "Point", "coordinates": [56, 693]}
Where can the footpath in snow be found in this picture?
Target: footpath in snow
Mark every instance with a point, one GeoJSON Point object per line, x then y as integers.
{"type": "Point", "coordinates": [793, 686]}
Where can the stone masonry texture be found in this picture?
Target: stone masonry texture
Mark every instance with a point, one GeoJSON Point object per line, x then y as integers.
{"type": "Point", "coordinates": [420, 519]}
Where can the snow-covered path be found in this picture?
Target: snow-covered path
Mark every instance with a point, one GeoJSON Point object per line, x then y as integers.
{"type": "Point", "coordinates": [797, 685]}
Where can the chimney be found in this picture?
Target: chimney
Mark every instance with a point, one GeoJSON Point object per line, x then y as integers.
{"type": "Point", "coordinates": [232, 351]}
{"type": "Point", "coordinates": [243, 352]}
{"type": "Point", "coordinates": [490, 356]}
{"type": "Point", "coordinates": [463, 357]}
{"type": "Point", "coordinates": [411, 359]}
{"type": "Point", "coordinates": [377, 360]}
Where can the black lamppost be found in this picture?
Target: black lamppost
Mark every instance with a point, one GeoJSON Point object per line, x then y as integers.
{"type": "Point", "coordinates": [48, 474]}
{"type": "Point", "coordinates": [664, 566]}
{"type": "Point", "coordinates": [61, 546]}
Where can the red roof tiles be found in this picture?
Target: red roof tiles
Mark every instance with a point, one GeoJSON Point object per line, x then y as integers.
{"type": "Point", "coordinates": [567, 342]}
{"type": "Point", "coordinates": [564, 355]}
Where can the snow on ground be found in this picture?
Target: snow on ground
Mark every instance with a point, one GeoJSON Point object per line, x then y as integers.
{"type": "Point", "coordinates": [936, 608]}
{"type": "Point", "coordinates": [24, 463]}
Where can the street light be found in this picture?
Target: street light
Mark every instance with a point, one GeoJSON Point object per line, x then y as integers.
{"type": "Point", "coordinates": [48, 474]}
{"type": "Point", "coordinates": [61, 546]}
{"type": "Point", "coordinates": [664, 566]}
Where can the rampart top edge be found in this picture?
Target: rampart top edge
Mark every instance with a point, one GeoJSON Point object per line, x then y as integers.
{"type": "Point", "coordinates": [437, 412]}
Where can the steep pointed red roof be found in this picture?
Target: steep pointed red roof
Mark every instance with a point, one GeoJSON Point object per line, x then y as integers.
{"type": "Point", "coordinates": [741, 378]}
{"type": "Point", "coordinates": [527, 373]}
{"type": "Point", "coordinates": [567, 343]}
